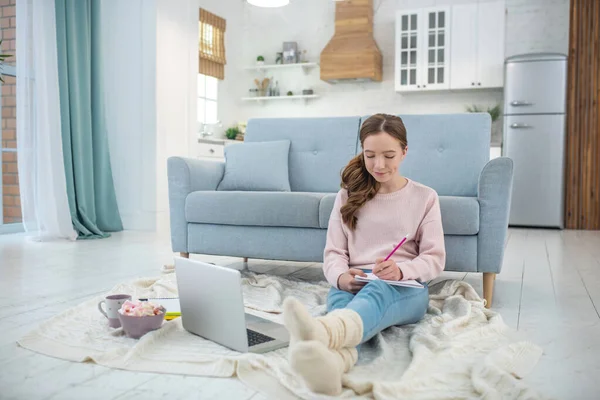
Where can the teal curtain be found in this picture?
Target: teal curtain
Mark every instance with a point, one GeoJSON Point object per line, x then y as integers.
{"type": "Point", "coordinates": [90, 186]}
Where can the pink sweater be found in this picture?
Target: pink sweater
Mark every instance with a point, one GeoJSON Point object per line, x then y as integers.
{"type": "Point", "coordinates": [382, 223]}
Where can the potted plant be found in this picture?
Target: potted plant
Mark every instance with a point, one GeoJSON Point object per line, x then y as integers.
{"type": "Point", "coordinates": [232, 133]}
{"type": "Point", "coordinates": [260, 60]}
{"type": "Point", "coordinates": [495, 113]}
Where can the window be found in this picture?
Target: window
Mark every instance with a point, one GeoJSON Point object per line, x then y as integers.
{"type": "Point", "coordinates": [207, 99]}
{"type": "Point", "coordinates": [211, 45]}
{"type": "Point", "coordinates": [207, 40]}
{"type": "Point", "coordinates": [10, 201]}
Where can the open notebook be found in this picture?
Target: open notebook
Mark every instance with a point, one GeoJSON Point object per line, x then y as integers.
{"type": "Point", "coordinates": [372, 277]}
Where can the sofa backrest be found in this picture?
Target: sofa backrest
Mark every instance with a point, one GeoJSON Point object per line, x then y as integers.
{"type": "Point", "coordinates": [446, 151]}
{"type": "Point", "coordinates": [320, 148]}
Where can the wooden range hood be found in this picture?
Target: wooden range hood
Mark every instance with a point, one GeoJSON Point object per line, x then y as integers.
{"type": "Point", "coordinates": [352, 54]}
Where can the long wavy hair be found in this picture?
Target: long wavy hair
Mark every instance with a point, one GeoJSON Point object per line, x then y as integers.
{"type": "Point", "coordinates": [359, 183]}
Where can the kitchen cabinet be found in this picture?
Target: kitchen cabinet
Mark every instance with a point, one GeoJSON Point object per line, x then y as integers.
{"type": "Point", "coordinates": [422, 51]}
{"type": "Point", "coordinates": [450, 47]}
{"type": "Point", "coordinates": [477, 46]}
{"type": "Point", "coordinates": [209, 148]}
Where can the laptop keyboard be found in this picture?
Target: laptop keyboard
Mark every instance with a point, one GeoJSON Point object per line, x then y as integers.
{"type": "Point", "coordinates": [255, 338]}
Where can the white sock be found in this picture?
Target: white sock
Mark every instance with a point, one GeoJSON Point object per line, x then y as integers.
{"type": "Point", "coordinates": [301, 325]}
{"type": "Point", "coordinates": [320, 367]}
{"type": "Point", "coordinates": [336, 330]}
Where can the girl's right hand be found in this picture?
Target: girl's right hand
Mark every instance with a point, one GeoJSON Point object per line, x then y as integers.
{"type": "Point", "coordinates": [347, 282]}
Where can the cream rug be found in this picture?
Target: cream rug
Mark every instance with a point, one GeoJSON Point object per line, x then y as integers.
{"type": "Point", "coordinates": [460, 350]}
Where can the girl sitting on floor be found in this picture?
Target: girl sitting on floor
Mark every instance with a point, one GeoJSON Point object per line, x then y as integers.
{"type": "Point", "coordinates": [373, 211]}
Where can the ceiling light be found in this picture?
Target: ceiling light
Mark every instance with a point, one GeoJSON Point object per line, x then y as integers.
{"type": "Point", "coordinates": [269, 3]}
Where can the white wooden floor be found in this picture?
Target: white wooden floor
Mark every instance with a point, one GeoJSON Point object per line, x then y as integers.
{"type": "Point", "coordinates": [549, 289]}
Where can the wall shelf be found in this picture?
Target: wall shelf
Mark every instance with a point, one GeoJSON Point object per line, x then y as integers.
{"type": "Point", "coordinates": [261, 100]}
{"type": "Point", "coordinates": [305, 66]}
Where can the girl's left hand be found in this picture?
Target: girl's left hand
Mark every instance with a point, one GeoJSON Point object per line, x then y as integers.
{"type": "Point", "coordinates": [387, 270]}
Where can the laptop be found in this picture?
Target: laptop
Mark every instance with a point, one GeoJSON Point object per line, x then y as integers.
{"type": "Point", "coordinates": [212, 306]}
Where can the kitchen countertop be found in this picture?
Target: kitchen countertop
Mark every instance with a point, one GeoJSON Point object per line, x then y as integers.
{"type": "Point", "coordinates": [216, 141]}
{"type": "Point", "coordinates": [209, 140]}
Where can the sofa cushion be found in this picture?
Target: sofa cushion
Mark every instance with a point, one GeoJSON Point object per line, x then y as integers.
{"type": "Point", "coordinates": [320, 149]}
{"type": "Point", "coordinates": [285, 209]}
{"type": "Point", "coordinates": [325, 209]}
{"type": "Point", "coordinates": [257, 166]}
{"type": "Point", "coordinates": [460, 215]}
{"type": "Point", "coordinates": [461, 253]}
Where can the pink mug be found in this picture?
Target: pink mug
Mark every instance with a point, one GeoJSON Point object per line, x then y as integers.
{"type": "Point", "coordinates": [113, 305]}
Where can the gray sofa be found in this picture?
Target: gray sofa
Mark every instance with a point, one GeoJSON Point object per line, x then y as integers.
{"type": "Point", "coordinates": [449, 153]}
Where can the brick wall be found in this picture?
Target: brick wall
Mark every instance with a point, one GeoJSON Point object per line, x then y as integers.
{"type": "Point", "coordinates": [11, 204]}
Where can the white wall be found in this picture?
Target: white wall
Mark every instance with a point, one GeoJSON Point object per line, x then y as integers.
{"type": "Point", "coordinates": [176, 81]}
{"type": "Point", "coordinates": [129, 54]}
{"type": "Point", "coordinates": [176, 72]}
{"type": "Point", "coordinates": [531, 25]}
{"type": "Point", "coordinates": [150, 73]}
{"type": "Point", "coordinates": [233, 86]}
{"type": "Point", "coordinates": [537, 26]}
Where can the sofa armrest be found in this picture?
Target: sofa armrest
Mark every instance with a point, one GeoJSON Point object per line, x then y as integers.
{"type": "Point", "coordinates": [494, 195]}
{"type": "Point", "coordinates": [188, 175]}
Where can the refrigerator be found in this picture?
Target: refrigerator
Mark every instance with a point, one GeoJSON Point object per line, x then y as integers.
{"type": "Point", "coordinates": [534, 137]}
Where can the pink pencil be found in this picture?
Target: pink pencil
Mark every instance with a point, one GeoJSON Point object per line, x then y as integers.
{"type": "Point", "coordinates": [396, 248]}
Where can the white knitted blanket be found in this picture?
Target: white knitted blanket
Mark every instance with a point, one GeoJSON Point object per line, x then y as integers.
{"type": "Point", "coordinates": [459, 350]}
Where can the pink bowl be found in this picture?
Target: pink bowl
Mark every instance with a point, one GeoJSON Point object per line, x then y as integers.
{"type": "Point", "coordinates": [136, 327]}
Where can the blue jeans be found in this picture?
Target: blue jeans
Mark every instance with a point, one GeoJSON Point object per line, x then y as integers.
{"type": "Point", "coordinates": [381, 305]}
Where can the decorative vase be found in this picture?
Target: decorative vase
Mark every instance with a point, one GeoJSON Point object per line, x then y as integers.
{"type": "Point", "coordinates": [290, 52]}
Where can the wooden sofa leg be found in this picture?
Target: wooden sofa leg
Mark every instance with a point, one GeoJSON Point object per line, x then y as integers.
{"type": "Point", "coordinates": [488, 287]}
{"type": "Point", "coordinates": [184, 255]}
